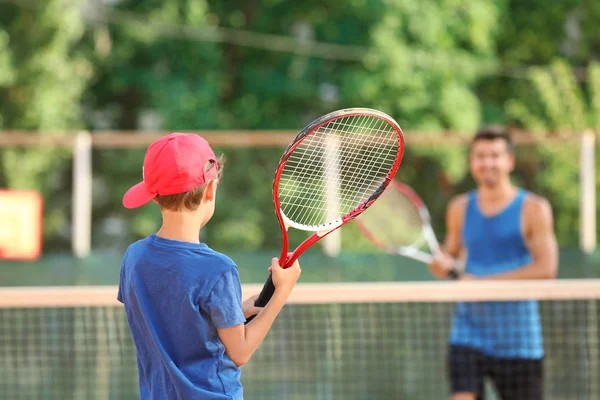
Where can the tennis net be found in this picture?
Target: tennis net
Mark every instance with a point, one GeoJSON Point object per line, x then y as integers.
{"type": "Point", "coordinates": [332, 341]}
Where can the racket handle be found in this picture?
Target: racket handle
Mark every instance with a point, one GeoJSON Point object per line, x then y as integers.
{"type": "Point", "coordinates": [264, 296]}
{"type": "Point", "coordinates": [453, 274]}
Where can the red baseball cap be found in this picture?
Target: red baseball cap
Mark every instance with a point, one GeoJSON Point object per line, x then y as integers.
{"type": "Point", "coordinates": [173, 164]}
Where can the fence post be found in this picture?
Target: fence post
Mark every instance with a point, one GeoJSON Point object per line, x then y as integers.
{"type": "Point", "coordinates": [331, 171]}
{"type": "Point", "coordinates": [587, 193]}
{"type": "Point", "coordinates": [587, 244]}
{"type": "Point", "coordinates": [82, 195]}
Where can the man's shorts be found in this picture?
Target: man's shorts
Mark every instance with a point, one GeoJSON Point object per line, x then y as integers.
{"type": "Point", "coordinates": [513, 378]}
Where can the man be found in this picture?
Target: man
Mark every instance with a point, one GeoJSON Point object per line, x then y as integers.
{"type": "Point", "coordinates": [504, 233]}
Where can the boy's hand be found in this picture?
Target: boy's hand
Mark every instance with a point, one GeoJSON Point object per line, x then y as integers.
{"type": "Point", "coordinates": [248, 307]}
{"type": "Point", "coordinates": [284, 279]}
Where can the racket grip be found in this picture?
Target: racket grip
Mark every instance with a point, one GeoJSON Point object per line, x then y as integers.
{"type": "Point", "coordinates": [264, 296]}
{"type": "Point", "coordinates": [453, 274]}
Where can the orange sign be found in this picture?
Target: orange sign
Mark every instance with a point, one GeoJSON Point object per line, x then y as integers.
{"type": "Point", "coordinates": [21, 213]}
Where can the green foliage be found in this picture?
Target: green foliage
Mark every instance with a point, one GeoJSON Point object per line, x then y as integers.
{"type": "Point", "coordinates": [423, 61]}
{"type": "Point", "coordinates": [594, 88]}
{"type": "Point", "coordinates": [433, 65]}
{"type": "Point", "coordinates": [43, 75]}
{"type": "Point", "coordinates": [534, 33]}
{"type": "Point", "coordinates": [7, 72]}
{"type": "Point", "coordinates": [48, 74]}
{"type": "Point", "coordinates": [555, 36]}
{"type": "Point", "coordinates": [559, 102]}
{"type": "Point", "coordinates": [421, 65]}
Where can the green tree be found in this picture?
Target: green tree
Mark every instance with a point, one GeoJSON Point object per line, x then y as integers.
{"type": "Point", "coordinates": [534, 33]}
{"type": "Point", "coordinates": [43, 74]}
{"type": "Point", "coordinates": [425, 60]}
{"type": "Point", "coordinates": [558, 102]}
{"type": "Point", "coordinates": [417, 62]}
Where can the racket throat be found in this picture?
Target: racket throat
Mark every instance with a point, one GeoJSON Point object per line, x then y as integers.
{"type": "Point", "coordinates": [320, 230]}
{"type": "Point", "coordinates": [283, 257]}
{"type": "Point", "coordinates": [431, 239]}
{"type": "Point", "coordinates": [333, 226]}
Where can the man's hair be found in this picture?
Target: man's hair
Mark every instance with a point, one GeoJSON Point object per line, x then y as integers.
{"type": "Point", "coordinates": [191, 199]}
{"type": "Point", "coordinates": [493, 132]}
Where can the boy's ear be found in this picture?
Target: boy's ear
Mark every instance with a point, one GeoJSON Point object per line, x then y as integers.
{"type": "Point", "coordinates": [211, 190]}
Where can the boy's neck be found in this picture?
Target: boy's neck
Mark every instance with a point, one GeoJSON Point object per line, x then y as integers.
{"type": "Point", "coordinates": [180, 226]}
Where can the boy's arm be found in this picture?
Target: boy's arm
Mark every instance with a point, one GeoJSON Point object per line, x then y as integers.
{"type": "Point", "coordinates": [241, 341]}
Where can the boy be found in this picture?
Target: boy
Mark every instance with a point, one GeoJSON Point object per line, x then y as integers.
{"type": "Point", "coordinates": [183, 299]}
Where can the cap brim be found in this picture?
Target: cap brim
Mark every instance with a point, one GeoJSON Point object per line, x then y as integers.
{"type": "Point", "coordinates": [137, 196]}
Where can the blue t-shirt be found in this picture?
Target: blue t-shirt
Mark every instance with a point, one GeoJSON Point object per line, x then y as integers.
{"type": "Point", "coordinates": [176, 295]}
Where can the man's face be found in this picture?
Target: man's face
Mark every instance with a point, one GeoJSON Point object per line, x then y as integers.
{"type": "Point", "coordinates": [490, 161]}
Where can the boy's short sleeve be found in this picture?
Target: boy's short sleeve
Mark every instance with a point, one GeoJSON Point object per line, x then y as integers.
{"type": "Point", "coordinates": [224, 303]}
{"type": "Point", "coordinates": [121, 282]}
{"type": "Point", "coordinates": [119, 294]}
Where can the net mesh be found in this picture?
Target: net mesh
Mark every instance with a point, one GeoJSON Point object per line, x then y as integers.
{"type": "Point", "coordinates": [336, 168]}
{"type": "Point", "coordinates": [344, 341]}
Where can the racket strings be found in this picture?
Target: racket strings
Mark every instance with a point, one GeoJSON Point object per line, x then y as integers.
{"type": "Point", "coordinates": [305, 194]}
{"type": "Point", "coordinates": [316, 151]}
{"type": "Point", "coordinates": [348, 198]}
{"type": "Point", "coordinates": [336, 168]}
{"type": "Point", "coordinates": [349, 164]}
{"type": "Point", "coordinates": [394, 221]}
{"type": "Point", "coordinates": [353, 171]}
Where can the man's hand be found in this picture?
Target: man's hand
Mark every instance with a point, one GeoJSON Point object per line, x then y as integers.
{"type": "Point", "coordinates": [441, 265]}
{"type": "Point", "coordinates": [249, 308]}
{"type": "Point", "coordinates": [452, 248]}
{"type": "Point", "coordinates": [467, 277]}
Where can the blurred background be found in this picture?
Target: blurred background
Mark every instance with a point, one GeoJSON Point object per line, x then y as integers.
{"type": "Point", "coordinates": [87, 85]}
{"type": "Point", "coordinates": [248, 75]}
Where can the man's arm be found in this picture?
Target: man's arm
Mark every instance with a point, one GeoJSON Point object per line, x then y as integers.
{"type": "Point", "coordinates": [455, 216]}
{"type": "Point", "coordinates": [452, 247]}
{"type": "Point", "coordinates": [541, 242]}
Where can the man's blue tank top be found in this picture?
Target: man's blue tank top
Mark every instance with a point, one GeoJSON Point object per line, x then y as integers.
{"type": "Point", "coordinates": [506, 329]}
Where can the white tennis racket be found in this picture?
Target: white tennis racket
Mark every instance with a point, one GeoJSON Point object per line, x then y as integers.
{"type": "Point", "coordinates": [399, 223]}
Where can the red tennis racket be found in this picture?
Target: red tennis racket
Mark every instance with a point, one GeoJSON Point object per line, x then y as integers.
{"type": "Point", "coordinates": [400, 224]}
{"type": "Point", "coordinates": [333, 170]}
